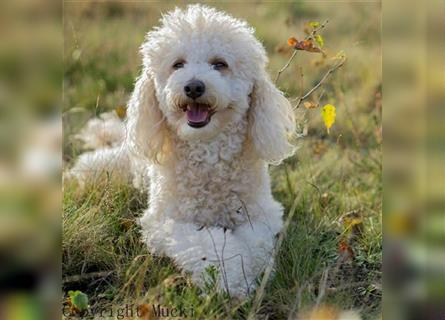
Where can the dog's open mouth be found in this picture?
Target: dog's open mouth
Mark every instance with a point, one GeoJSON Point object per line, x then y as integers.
{"type": "Point", "coordinates": [198, 114]}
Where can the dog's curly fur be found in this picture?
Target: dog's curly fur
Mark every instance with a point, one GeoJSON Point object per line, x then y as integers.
{"type": "Point", "coordinates": [210, 200]}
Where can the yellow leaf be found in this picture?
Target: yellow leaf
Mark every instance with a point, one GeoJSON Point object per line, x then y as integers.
{"type": "Point", "coordinates": [314, 24]}
{"type": "Point", "coordinates": [121, 111]}
{"type": "Point", "coordinates": [319, 39]}
{"type": "Point", "coordinates": [328, 114]}
{"type": "Point", "coordinates": [352, 218]}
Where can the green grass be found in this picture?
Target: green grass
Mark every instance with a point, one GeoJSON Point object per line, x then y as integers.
{"type": "Point", "coordinates": [329, 176]}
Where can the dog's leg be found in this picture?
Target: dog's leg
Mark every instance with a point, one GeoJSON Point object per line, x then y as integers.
{"type": "Point", "coordinates": [239, 256]}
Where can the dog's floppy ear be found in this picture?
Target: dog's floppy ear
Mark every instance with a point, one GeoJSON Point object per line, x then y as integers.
{"type": "Point", "coordinates": [147, 134]}
{"type": "Point", "coordinates": [271, 121]}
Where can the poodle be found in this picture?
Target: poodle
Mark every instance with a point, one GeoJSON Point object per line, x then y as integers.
{"type": "Point", "coordinates": [203, 123]}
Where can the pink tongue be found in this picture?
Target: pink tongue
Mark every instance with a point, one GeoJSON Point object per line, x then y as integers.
{"type": "Point", "coordinates": [195, 113]}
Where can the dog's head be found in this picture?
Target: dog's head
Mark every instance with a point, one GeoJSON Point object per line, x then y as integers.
{"type": "Point", "coordinates": [202, 70]}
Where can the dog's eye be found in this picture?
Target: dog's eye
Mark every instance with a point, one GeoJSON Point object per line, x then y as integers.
{"type": "Point", "coordinates": [219, 65]}
{"type": "Point", "coordinates": [178, 65]}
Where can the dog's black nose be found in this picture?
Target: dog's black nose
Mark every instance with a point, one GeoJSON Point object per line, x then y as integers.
{"type": "Point", "coordinates": [194, 89]}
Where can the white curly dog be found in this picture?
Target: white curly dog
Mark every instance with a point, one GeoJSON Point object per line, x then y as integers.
{"type": "Point", "coordinates": [204, 121]}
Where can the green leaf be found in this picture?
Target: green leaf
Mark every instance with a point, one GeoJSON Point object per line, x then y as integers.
{"type": "Point", "coordinates": [314, 24]}
{"type": "Point", "coordinates": [319, 39]}
{"type": "Point", "coordinates": [78, 299]}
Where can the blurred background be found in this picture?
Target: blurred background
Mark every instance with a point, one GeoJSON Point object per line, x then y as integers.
{"type": "Point", "coordinates": [414, 184]}
{"type": "Point", "coordinates": [71, 61]}
{"type": "Point", "coordinates": [31, 74]}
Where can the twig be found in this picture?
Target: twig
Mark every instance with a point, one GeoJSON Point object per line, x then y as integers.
{"type": "Point", "coordinates": [288, 182]}
{"type": "Point", "coordinates": [314, 32]}
{"type": "Point", "coordinates": [86, 276]}
{"type": "Point", "coordinates": [297, 304]}
{"type": "Point", "coordinates": [242, 267]}
{"type": "Point", "coordinates": [355, 284]}
{"type": "Point", "coordinates": [244, 207]}
{"type": "Point", "coordinates": [309, 37]}
{"type": "Point", "coordinates": [285, 66]}
{"type": "Point", "coordinates": [223, 272]}
{"type": "Point", "coordinates": [322, 286]}
{"type": "Point", "coordinates": [97, 105]}
{"type": "Point", "coordinates": [260, 292]}
{"type": "Point", "coordinates": [222, 261]}
{"type": "Point", "coordinates": [316, 188]}
{"type": "Point", "coordinates": [320, 96]}
{"type": "Point", "coordinates": [301, 80]}
{"type": "Point", "coordinates": [244, 275]}
{"type": "Point", "coordinates": [323, 79]}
